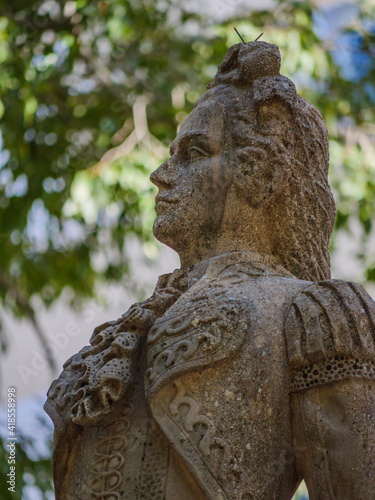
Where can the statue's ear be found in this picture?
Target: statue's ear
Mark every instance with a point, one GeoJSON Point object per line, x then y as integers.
{"type": "Point", "coordinates": [260, 174]}
{"type": "Point", "coordinates": [263, 167]}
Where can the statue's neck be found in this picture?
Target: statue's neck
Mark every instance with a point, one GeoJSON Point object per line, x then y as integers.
{"type": "Point", "coordinates": [242, 228]}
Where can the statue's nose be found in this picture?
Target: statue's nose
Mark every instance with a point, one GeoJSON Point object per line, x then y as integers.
{"type": "Point", "coordinates": [161, 177]}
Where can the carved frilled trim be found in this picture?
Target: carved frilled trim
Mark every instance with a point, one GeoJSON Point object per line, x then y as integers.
{"type": "Point", "coordinates": [330, 334]}
{"type": "Point", "coordinates": [101, 374]}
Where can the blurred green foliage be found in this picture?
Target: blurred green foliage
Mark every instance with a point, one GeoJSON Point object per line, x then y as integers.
{"type": "Point", "coordinates": [80, 78]}
{"type": "Point", "coordinates": [33, 471]}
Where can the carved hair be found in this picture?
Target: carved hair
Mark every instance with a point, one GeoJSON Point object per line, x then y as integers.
{"type": "Point", "coordinates": [273, 127]}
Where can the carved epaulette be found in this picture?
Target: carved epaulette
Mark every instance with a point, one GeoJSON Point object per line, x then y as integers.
{"type": "Point", "coordinates": [330, 334]}
{"type": "Point", "coordinates": [188, 338]}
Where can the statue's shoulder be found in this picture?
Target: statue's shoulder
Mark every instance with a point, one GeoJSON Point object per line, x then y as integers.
{"type": "Point", "coordinates": [330, 332]}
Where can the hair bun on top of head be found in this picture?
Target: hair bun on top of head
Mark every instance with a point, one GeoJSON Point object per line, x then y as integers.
{"type": "Point", "coordinates": [245, 62]}
{"type": "Point", "coordinates": [256, 65]}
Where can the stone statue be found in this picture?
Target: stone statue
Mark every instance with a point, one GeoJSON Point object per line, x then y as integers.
{"type": "Point", "coordinates": [248, 369]}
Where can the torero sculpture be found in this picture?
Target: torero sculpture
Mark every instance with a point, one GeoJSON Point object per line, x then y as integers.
{"type": "Point", "coordinates": [248, 369]}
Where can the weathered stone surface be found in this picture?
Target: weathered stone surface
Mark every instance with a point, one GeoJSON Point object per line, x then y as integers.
{"type": "Point", "coordinates": [248, 369]}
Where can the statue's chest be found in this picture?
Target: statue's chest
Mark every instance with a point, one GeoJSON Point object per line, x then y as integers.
{"type": "Point", "coordinates": [218, 384]}
{"type": "Point", "coordinates": [210, 324]}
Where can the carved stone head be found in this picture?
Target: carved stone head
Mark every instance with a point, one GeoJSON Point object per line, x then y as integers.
{"type": "Point", "coordinates": [248, 170]}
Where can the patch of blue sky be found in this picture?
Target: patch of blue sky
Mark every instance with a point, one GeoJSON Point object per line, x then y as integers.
{"type": "Point", "coordinates": [334, 24]}
{"type": "Point", "coordinates": [353, 61]}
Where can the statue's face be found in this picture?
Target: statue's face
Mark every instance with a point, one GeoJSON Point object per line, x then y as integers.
{"type": "Point", "coordinates": [215, 180]}
{"type": "Point", "coordinates": [193, 181]}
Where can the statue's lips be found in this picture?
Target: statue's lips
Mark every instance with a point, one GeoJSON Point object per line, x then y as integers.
{"type": "Point", "coordinates": [163, 202]}
{"type": "Point", "coordinates": [164, 198]}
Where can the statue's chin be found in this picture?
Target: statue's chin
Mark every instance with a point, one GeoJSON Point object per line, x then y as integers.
{"type": "Point", "coordinates": [164, 233]}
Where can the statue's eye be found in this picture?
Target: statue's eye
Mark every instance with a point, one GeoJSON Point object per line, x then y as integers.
{"type": "Point", "coordinates": [195, 152]}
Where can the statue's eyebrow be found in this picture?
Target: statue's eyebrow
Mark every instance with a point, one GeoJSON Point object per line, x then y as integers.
{"type": "Point", "coordinates": [188, 136]}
